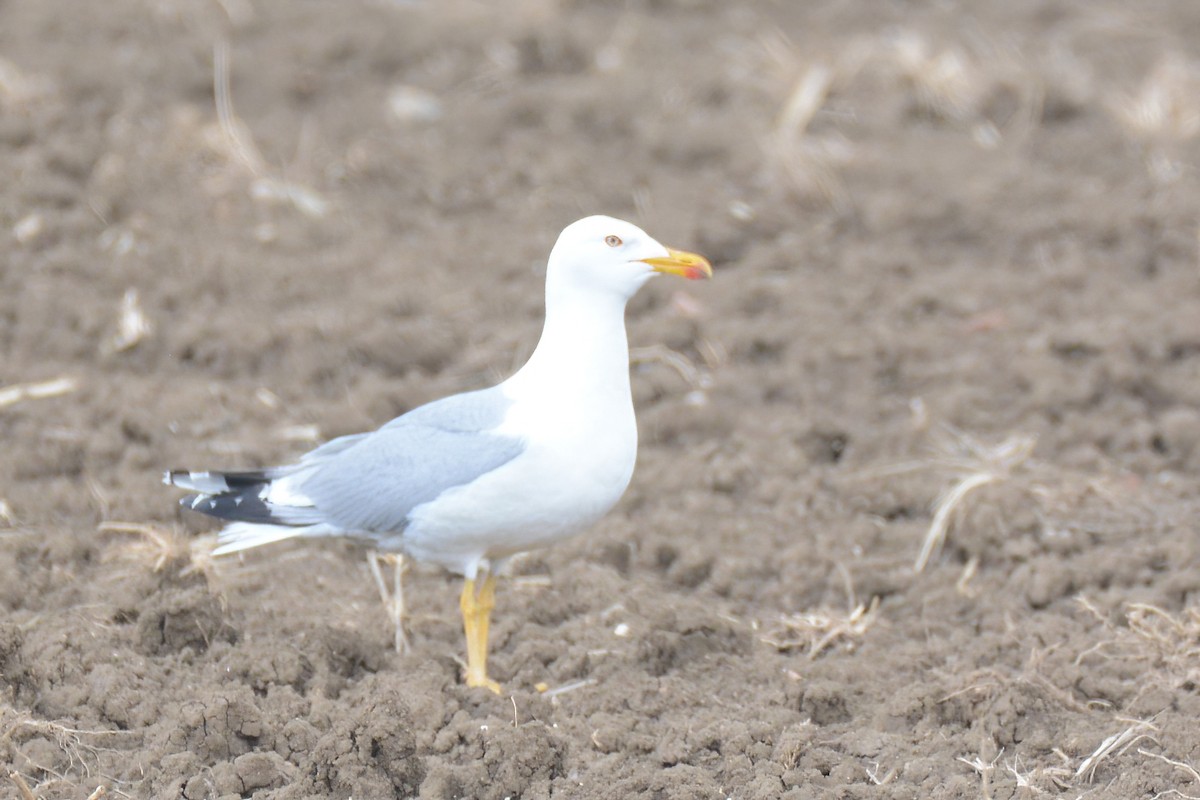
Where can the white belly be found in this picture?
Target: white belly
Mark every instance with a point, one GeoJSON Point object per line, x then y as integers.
{"type": "Point", "coordinates": [566, 479]}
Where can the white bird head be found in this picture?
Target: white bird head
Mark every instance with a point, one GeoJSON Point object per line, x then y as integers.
{"type": "Point", "coordinates": [602, 254]}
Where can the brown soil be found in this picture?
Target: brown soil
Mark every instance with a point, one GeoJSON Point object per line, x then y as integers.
{"type": "Point", "coordinates": [938, 232]}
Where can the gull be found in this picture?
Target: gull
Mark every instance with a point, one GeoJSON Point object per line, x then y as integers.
{"type": "Point", "coordinates": [468, 481]}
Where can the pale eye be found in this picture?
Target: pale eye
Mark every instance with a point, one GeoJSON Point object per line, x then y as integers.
{"type": "Point", "coordinates": [612, 240]}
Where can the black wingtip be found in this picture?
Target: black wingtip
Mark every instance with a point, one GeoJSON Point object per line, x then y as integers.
{"type": "Point", "coordinates": [236, 506]}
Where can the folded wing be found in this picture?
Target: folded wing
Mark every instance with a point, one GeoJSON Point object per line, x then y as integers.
{"type": "Point", "coordinates": [363, 485]}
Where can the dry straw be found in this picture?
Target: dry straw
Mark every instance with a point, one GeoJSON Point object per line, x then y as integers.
{"type": "Point", "coordinates": [1170, 643]}
{"type": "Point", "coordinates": [11, 395]}
{"type": "Point", "coordinates": [1117, 744]}
{"type": "Point", "coordinates": [80, 746]}
{"type": "Point", "coordinates": [158, 547]}
{"type": "Point", "coordinates": [132, 325]}
{"type": "Point", "coordinates": [973, 464]}
{"type": "Point", "coordinates": [982, 464]}
{"type": "Point", "coordinates": [815, 631]}
{"type": "Point", "coordinates": [955, 82]}
{"type": "Point", "coordinates": [237, 145]}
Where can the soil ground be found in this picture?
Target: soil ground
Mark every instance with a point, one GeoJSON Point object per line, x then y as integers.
{"type": "Point", "coordinates": [957, 290]}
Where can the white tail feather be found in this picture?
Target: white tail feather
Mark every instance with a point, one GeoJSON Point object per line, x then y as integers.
{"type": "Point", "coordinates": [238, 536]}
{"type": "Point", "coordinates": [203, 482]}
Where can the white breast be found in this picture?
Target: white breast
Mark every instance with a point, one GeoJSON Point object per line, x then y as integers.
{"type": "Point", "coordinates": [573, 409]}
{"type": "Point", "coordinates": [578, 461]}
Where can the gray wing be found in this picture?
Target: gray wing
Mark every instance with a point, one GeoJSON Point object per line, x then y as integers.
{"type": "Point", "coordinates": [470, 412]}
{"type": "Point", "coordinates": [328, 450]}
{"type": "Point", "coordinates": [373, 482]}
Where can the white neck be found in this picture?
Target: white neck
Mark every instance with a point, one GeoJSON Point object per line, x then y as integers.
{"type": "Point", "coordinates": [583, 350]}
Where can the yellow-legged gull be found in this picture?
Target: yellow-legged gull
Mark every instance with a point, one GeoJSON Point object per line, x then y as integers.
{"type": "Point", "coordinates": [470, 480]}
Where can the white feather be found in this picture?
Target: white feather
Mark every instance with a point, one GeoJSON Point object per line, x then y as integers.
{"type": "Point", "coordinates": [283, 492]}
{"type": "Point", "coordinates": [238, 536]}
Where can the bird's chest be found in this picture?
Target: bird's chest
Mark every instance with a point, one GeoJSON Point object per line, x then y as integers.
{"type": "Point", "coordinates": [578, 455]}
{"type": "Point", "coordinates": [590, 440]}
{"type": "Point", "coordinates": [580, 452]}
{"type": "Point", "coordinates": [566, 478]}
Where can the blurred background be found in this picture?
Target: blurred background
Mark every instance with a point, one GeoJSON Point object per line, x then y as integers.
{"type": "Point", "coordinates": [915, 507]}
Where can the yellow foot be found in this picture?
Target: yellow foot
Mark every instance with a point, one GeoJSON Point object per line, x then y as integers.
{"type": "Point", "coordinates": [482, 682]}
{"type": "Point", "coordinates": [477, 611]}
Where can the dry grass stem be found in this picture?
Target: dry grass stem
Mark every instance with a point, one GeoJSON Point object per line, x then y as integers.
{"type": "Point", "coordinates": [534, 582]}
{"type": "Point", "coordinates": [132, 325]}
{"type": "Point", "coordinates": [566, 688]}
{"type": "Point", "coordinates": [298, 433]}
{"type": "Point", "coordinates": [808, 162]}
{"type": "Point", "coordinates": [946, 505]}
{"type": "Point", "coordinates": [159, 547]}
{"type": "Point", "coordinates": [681, 364]}
{"type": "Point", "coordinates": [239, 12]}
{"type": "Point", "coordinates": [17, 88]}
{"type": "Point", "coordinates": [239, 146]}
{"type": "Point", "coordinates": [1170, 642]}
{"type": "Point", "coordinates": [1058, 500]}
{"type": "Point", "coordinates": [29, 228]}
{"type": "Point", "coordinates": [238, 140]}
{"type": "Point", "coordinates": [962, 584]}
{"type": "Point", "coordinates": [957, 83]}
{"type": "Point", "coordinates": [948, 83]}
{"type": "Point", "coordinates": [18, 392]}
{"type": "Point", "coordinates": [881, 780]}
{"type": "Point", "coordinates": [1022, 778]}
{"type": "Point", "coordinates": [1165, 110]}
{"type": "Point", "coordinates": [1175, 641]}
{"type": "Point", "coordinates": [268, 398]}
{"type": "Point", "coordinates": [715, 354]}
{"type": "Point", "coordinates": [810, 167]}
{"type": "Point", "coordinates": [985, 770]}
{"type": "Point", "coordinates": [7, 518]}
{"type": "Point", "coordinates": [816, 631]}
{"type": "Point", "coordinates": [805, 100]}
{"type": "Point", "coordinates": [1167, 104]}
{"type": "Point", "coordinates": [72, 741]}
{"type": "Point", "coordinates": [1180, 765]}
{"type": "Point", "coordinates": [982, 680]}
{"type": "Point", "coordinates": [411, 104]}
{"type": "Point", "coordinates": [983, 464]}
{"type": "Point", "coordinates": [22, 787]}
{"type": "Point", "coordinates": [1117, 744]}
{"type": "Point", "coordinates": [987, 683]}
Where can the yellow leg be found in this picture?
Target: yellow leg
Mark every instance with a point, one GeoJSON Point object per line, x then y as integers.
{"type": "Point", "coordinates": [477, 611]}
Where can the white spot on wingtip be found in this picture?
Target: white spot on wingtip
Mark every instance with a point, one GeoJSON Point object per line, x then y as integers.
{"type": "Point", "coordinates": [282, 493]}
